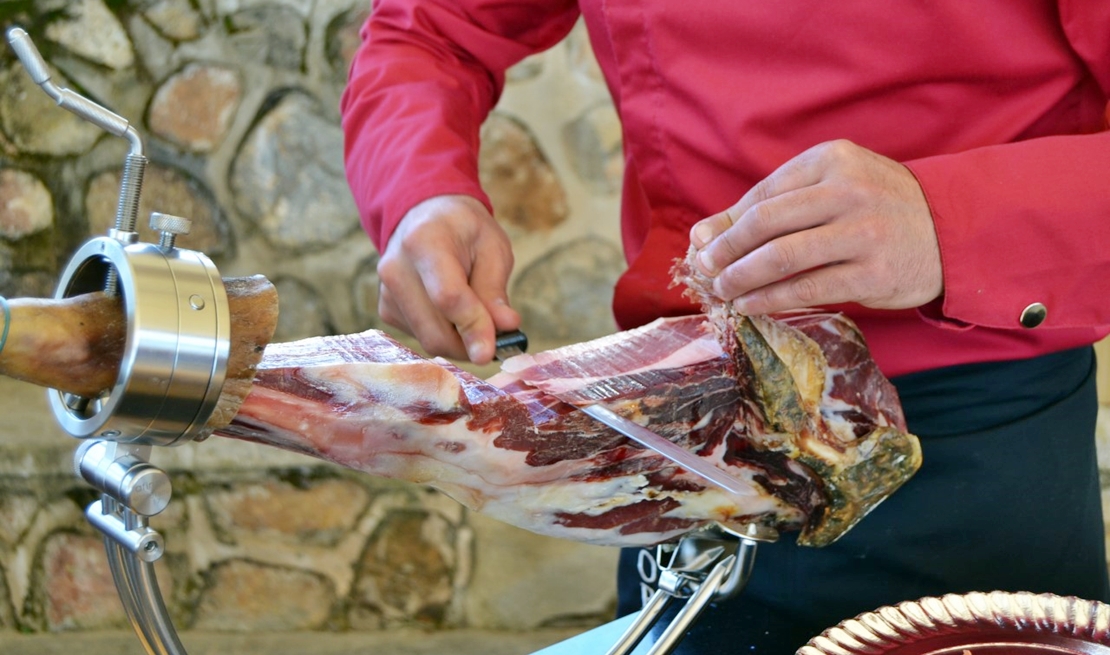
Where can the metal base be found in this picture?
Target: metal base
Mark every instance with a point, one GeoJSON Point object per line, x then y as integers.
{"type": "Point", "coordinates": [599, 640]}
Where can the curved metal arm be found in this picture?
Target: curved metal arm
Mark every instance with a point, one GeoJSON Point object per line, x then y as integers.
{"type": "Point", "coordinates": [87, 109]}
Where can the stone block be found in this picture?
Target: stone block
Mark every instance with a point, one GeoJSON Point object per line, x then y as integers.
{"type": "Point", "coordinates": [73, 29]}
{"type": "Point", "coordinates": [77, 585]}
{"type": "Point", "coordinates": [523, 581]}
{"type": "Point", "coordinates": [304, 311]}
{"type": "Point", "coordinates": [365, 294]}
{"type": "Point", "coordinates": [17, 511]}
{"type": "Point", "coordinates": [406, 573]}
{"type": "Point", "coordinates": [7, 614]}
{"type": "Point", "coordinates": [33, 122]}
{"type": "Point", "coordinates": [168, 190]}
{"type": "Point", "coordinates": [558, 295]}
{"type": "Point", "coordinates": [174, 19]}
{"type": "Point", "coordinates": [595, 145]}
{"type": "Point", "coordinates": [243, 596]}
{"type": "Point", "coordinates": [269, 33]}
{"type": "Point", "coordinates": [195, 106]}
{"type": "Point", "coordinates": [319, 514]}
{"type": "Point", "coordinates": [522, 185]}
{"type": "Point", "coordinates": [28, 205]}
{"type": "Point", "coordinates": [343, 39]}
{"type": "Point", "coordinates": [290, 169]}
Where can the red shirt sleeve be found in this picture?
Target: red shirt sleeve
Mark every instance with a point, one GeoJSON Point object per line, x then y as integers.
{"type": "Point", "coordinates": [427, 74]}
{"type": "Point", "coordinates": [1029, 222]}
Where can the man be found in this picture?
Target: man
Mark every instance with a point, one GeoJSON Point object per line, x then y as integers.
{"type": "Point", "coordinates": [937, 171]}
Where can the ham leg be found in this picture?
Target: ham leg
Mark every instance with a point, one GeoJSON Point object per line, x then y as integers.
{"type": "Point", "coordinates": [793, 405]}
{"type": "Point", "coordinates": [801, 413]}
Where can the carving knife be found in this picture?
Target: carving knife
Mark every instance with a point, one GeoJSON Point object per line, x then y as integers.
{"type": "Point", "coordinates": [672, 451]}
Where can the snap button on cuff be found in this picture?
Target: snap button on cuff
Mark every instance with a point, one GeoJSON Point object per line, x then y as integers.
{"type": "Point", "coordinates": [1033, 315]}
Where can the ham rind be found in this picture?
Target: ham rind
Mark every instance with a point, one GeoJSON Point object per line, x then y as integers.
{"type": "Point", "coordinates": [816, 456]}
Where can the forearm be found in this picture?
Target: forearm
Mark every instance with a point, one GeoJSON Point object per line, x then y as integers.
{"type": "Point", "coordinates": [422, 83]}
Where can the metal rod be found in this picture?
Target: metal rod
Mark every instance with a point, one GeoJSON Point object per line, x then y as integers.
{"type": "Point", "coordinates": [116, 559]}
{"type": "Point", "coordinates": [118, 556]}
{"type": "Point", "coordinates": [135, 164]}
{"type": "Point", "coordinates": [692, 609]}
{"type": "Point", "coordinates": [740, 574]}
{"type": "Point", "coordinates": [132, 568]}
{"type": "Point", "coordinates": [644, 620]}
{"type": "Point", "coordinates": [132, 488]}
{"type": "Point", "coordinates": [127, 208]}
{"type": "Point", "coordinates": [130, 186]}
{"type": "Point", "coordinates": [156, 619]}
{"type": "Point", "coordinates": [141, 541]}
{"type": "Point", "coordinates": [87, 109]}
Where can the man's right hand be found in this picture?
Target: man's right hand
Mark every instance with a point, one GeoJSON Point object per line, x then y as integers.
{"type": "Point", "coordinates": [444, 274]}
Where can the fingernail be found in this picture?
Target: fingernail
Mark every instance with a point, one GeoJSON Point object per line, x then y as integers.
{"type": "Point", "coordinates": [740, 304]}
{"type": "Point", "coordinates": [701, 235]}
{"type": "Point", "coordinates": [473, 350]}
{"type": "Point", "coordinates": [706, 263]}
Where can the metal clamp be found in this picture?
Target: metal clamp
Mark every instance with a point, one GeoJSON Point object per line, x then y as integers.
{"type": "Point", "coordinates": [702, 567]}
{"type": "Point", "coordinates": [175, 355]}
{"type": "Point", "coordinates": [173, 369]}
{"type": "Point", "coordinates": [178, 323]}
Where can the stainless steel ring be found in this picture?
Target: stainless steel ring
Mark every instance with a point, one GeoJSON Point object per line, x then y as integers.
{"type": "Point", "coordinates": [175, 356]}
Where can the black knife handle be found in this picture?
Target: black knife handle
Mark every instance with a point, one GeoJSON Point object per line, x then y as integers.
{"type": "Point", "coordinates": [512, 343]}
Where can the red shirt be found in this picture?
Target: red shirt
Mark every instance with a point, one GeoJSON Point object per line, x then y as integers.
{"type": "Point", "coordinates": [997, 106]}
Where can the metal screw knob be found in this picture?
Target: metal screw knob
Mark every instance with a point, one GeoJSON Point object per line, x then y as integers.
{"type": "Point", "coordinates": [146, 489]}
{"type": "Point", "coordinates": [136, 483]}
{"type": "Point", "coordinates": [169, 226]}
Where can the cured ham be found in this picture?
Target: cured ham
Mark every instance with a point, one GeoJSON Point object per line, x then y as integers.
{"type": "Point", "coordinates": [797, 410]}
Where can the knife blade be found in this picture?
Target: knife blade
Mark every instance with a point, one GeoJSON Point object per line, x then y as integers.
{"type": "Point", "coordinates": [672, 451]}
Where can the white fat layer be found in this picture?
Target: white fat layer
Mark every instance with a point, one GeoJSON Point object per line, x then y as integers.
{"type": "Point", "coordinates": [403, 384]}
{"type": "Point", "coordinates": [540, 510]}
{"type": "Point", "coordinates": [535, 501]}
{"type": "Point", "coordinates": [500, 483]}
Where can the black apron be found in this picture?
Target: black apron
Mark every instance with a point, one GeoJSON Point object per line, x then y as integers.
{"type": "Point", "coordinates": [1007, 498]}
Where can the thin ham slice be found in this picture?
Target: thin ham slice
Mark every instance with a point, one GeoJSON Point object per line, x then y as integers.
{"type": "Point", "coordinates": [796, 409]}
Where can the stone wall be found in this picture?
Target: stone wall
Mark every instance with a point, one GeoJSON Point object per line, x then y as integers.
{"type": "Point", "coordinates": [238, 101]}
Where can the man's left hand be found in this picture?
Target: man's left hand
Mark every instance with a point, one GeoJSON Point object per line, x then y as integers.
{"type": "Point", "coordinates": [838, 223]}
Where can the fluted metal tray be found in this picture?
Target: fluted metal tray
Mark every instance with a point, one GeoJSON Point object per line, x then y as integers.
{"type": "Point", "coordinates": [973, 624]}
